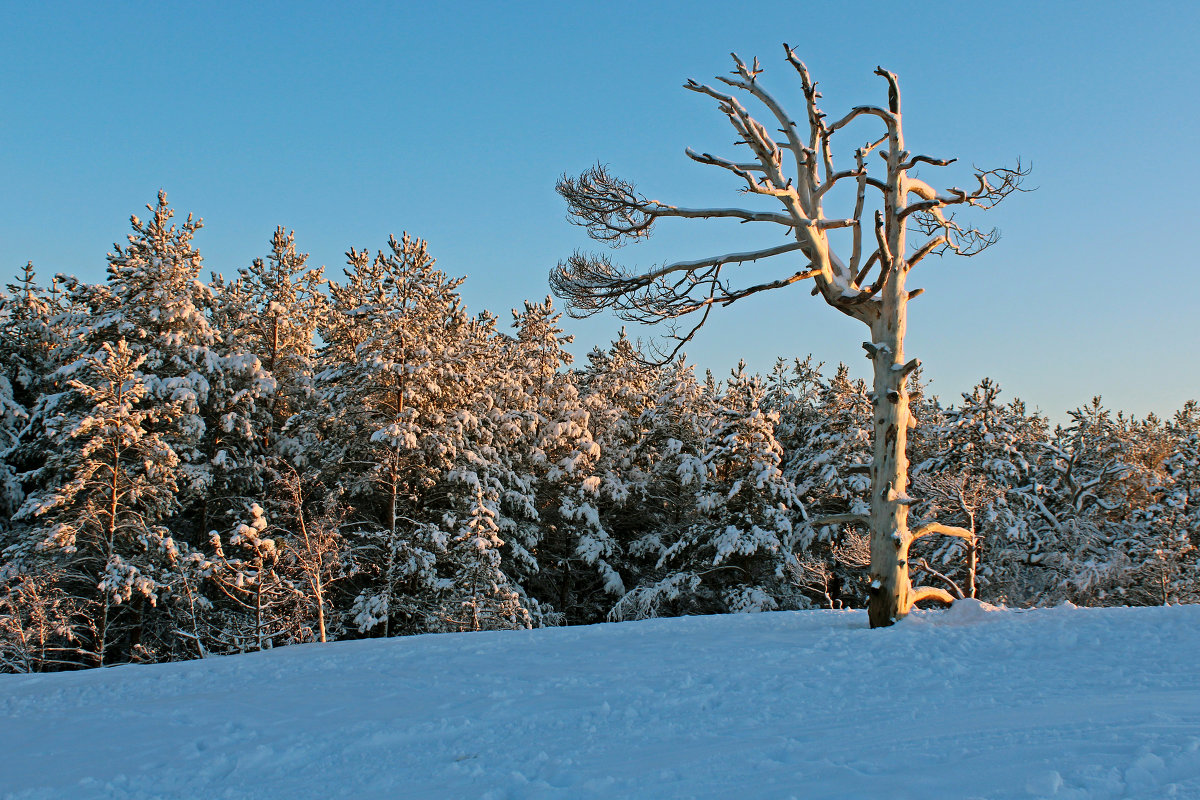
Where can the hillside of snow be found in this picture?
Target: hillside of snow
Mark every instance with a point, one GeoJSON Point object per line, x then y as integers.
{"type": "Point", "coordinates": [968, 703]}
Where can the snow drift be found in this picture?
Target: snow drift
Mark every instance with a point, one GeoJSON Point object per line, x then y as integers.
{"type": "Point", "coordinates": [972, 703]}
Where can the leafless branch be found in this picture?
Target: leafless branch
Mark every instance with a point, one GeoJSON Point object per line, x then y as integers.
{"type": "Point", "coordinates": [937, 527]}
{"type": "Point", "coordinates": [928, 593]}
{"type": "Point", "coordinates": [923, 564]}
{"type": "Point", "coordinates": [613, 211]}
{"type": "Point", "coordinates": [937, 162]}
{"type": "Point", "coordinates": [607, 206]}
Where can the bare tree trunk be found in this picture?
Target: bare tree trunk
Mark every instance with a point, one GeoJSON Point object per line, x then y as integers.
{"type": "Point", "coordinates": [889, 486]}
{"type": "Point", "coordinates": [972, 546]}
{"type": "Point", "coordinates": [273, 410]}
{"type": "Point", "coordinates": [103, 631]}
{"type": "Point", "coordinates": [390, 569]}
{"type": "Point", "coordinates": [321, 612]}
{"type": "Point", "coordinates": [972, 565]}
{"type": "Point", "coordinates": [110, 538]}
{"type": "Point", "coordinates": [258, 615]}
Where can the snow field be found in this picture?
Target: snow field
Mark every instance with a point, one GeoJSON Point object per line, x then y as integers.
{"type": "Point", "coordinates": [970, 703]}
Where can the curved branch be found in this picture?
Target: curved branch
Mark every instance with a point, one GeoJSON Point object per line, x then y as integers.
{"type": "Point", "coordinates": [937, 527]}
{"type": "Point", "coordinates": [592, 283]}
{"type": "Point", "coordinates": [665, 357]}
{"type": "Point", "coordinates": [858, 111]}
{"type": "Point", "coordinates": [893, 89]}
{"type": "Point", "coordinates": [925, 250]}
{"type": "Point", "coordinates": [612, 210]}
{"type": "Point", "coordinates": [716, 161]}
{"type": "Point", "coordinates": [929, 529]}
{"type": "Point", "coordinates": [732, 297]}
{"type": "Point", "coordinates": [986, 196]}
{"type": "Point", "coordinates": [925, 565]}
{"type": "Point", "coordinates": [916, 595]}
{"type": "Point", "coordinates": [937, 162]}
{"type": "Point", "coordinates": [835, 177]}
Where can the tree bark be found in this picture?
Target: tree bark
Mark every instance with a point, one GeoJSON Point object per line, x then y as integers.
{"type": "Point", "coordinates": [889, 581]}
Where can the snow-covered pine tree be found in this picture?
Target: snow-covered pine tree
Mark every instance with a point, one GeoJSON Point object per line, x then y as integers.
{"type": "Point", "coordinates": [832, 473]}
{"type": "Point", "coordinates": [794, 392]}
{"type": "Point", "coordinates": [666, 476]}
{"type": "Point", "coordinates": [397, 370]}
{"type": "Point", "coordinates": [1150, 526]}
{"type": "Point", "coordinates": [1076, 507]}
{"type": "Point", "coordinates": [734, 557]}
{"type": "Point", "coordinates": [978, 462]}
{"type": "Point", "coordinates": [274, 309]}
{"type": "Point", "coordinates": [99, 523]}
{"type": "Point", "coordinates": [578, 560]}
{"type": "Point", "coordinates": [267, 319]}
{"type": "Point", "coordinates": [250, 578]}
{"type": "Point", "coordinates": [619, 391]}
{"type": "Point", "coordinates": [30, 340]}
{"type": "Point", "coordinates": [1179, 508]}
{"type": "Point", "coordinates": [42, 626]}
{"type": "Point", "coordinates": [154, 301]}
{"type": "Point", "coordinates": [477, 594]}
{"type": "Point", "coordinates": [828, 467]}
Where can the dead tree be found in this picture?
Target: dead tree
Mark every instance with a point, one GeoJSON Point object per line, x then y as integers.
{"type": "Point", "coordinates": [794, 165]}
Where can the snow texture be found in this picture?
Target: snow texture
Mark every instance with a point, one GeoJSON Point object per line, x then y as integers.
{"type": "Point", "coordinates": [976, 702]}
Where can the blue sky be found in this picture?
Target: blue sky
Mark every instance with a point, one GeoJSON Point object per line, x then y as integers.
{"type": "Point", "coordinates": [453, 121]}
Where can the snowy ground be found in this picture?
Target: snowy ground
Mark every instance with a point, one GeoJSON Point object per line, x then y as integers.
{"type": "Point", "coordinates": [1065, 703]}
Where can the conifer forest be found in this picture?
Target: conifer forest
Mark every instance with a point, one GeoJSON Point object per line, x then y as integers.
{"type": "Point", "coordinates": [193, 465]}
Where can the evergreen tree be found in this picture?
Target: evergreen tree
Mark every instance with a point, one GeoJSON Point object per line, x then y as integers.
{"type": "Point", "coordinates": [978, 474]}
{"type": "Point", "coordinates": [274, 310]}
{"type": "Point", "coordinates": [734, 556]}
{"type": "Point", "coordinates": [1180, 500]}
{"type": "Point", "coordinates": [480, 594]}
{"type": "Point", "coordinates": [1158, 526]}
{"type": "Point", "coordinates": [252, 580]}
{"type": "Point", "coordinates": [397, 366]}
{"type": "Point", "coordinates": [830, 469]}
{"type": "Point", "coordinates": [578, 560]}
{"type": "Point", "coordinates": [99, 525]}
{"type": "Point", "coordinates": [154, 301]}
{"type": "Point", "coordinates": [30, 349]}
{"type": "Point", "coordinates": [1075, 504]}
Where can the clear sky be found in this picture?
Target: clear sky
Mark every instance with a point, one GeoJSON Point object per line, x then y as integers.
{"type": "Point", "coordinates": [347, 122]}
